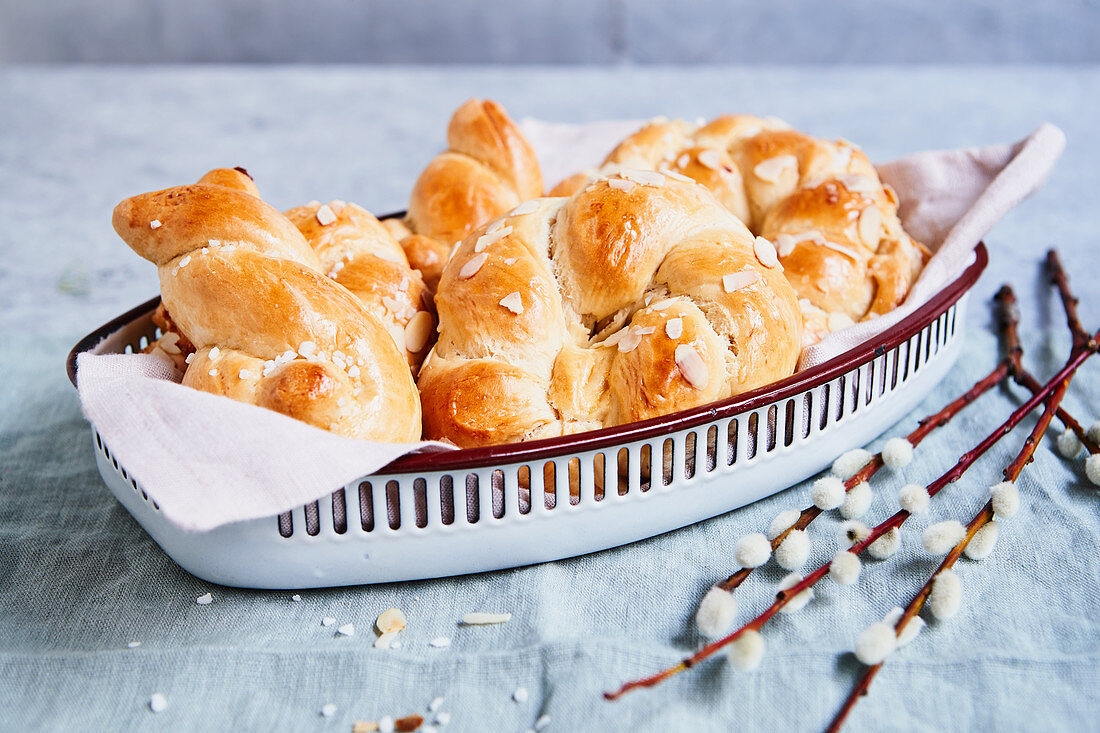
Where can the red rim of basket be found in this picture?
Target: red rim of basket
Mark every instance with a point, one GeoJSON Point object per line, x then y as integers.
{"type": "Point", "coordinates": [533, 450]}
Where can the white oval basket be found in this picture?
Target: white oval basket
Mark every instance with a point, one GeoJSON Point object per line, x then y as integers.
{"type": "Point", "coordinates": [433, 515]}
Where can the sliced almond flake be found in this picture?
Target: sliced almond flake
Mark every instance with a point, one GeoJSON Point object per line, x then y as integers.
{"type": "Point", "coordinates": [679, 176]}
{"type": "Point", "coordinates": [314, 202]}
{"type": "Point", "coordinates": [643, 330]}
{"type": "Point", "coordinates": [613, 339]}
{"type": "Point", "coordinates": [710, 158]}
{"type": "Point", "coordinates": [692, 366]}
{"type": "Point", "coordinates": [435, 704]}
{"type": "Point", "coordinates": [527, 207]}
{"type": "Point", "coordinates": [765, 252]}
{"type": "Point", "coordinates": [510, 261]}
{"type": "Point", "coordinates": [491, 237]}
{"type": "Point", "coordinates": [838, 321]}
{"type": "Point", "coordinates": [246, 374]}
{"type": "Point", "coordinates": [481, 618]}
{"type": "Point", "coordinates": [496, 226]}
{"type": "Point", "coordinates": [353, 371]}
{"type": "Point", "coordinates": [751, 131]}
{"type": "Point", "coordinates": [307, 349]}
{"type": "Point", "coordinates": [158, 703]}
{"type": "Point", "coordinates": [336, 270]}
{"type": "Point", "coordinates": [629, 341]}
{"type": "Point", "coordinates": [392, 619]}
{"type": "Point", "coordinates": [155, 224]}
{"type": "Point", "coordinates": [214, 352]}
{"type": "Point", "coordinates": [870, 226]}
{"type": "Point", "coordinates": [891, 194]}
{"type": "Point", "coordinates": [644, 178]}
{"type": "Point", "coordinates": [472, 266]}
{"type": "Point", "coordinates": [674, 328]}
{"type": "Point", "coordinates": [346, 630]}
{"type": "Point", "coordinates": [403, 286]}
{"type": "Point", "coordinates": [188, 358]}
{"type": "Point", "coordinates": [785, 244]}
{"type": "Point", "coordinates": [846, 251]}
{"type": "Point", "coordinates": [205, 599]}
{"type": "Point", "coordinates": [661, 305]}
{"type": "Point", "coordinates": [621, 184]}
{"type": "Point", "coordinates": [859, 184]}
{"type": "Point", "coordinates": [328, 621]}
{"type": "Point", "coordinates": [772, 169]}
{"type": "Point", "coordinates": [513, 302]}
{"type": "Point", "coordinates": [337, 205]}
{"type": "Point", "coordinates": [213, 372]}
{"type": "Point", "coordinates": [133, 645]}
{"type": "Point", "coordinates": [735, 281]}
{"type": "Point", "coordinates": [430, 257]}
{"type": "Point", "coordinates": [325, 215]}
{"type": "Point", "coordinates": [417, 331]}
{"type": "Point", "coordinates": [440, 642]}
{"type": "Point", "coordinates": [683, 161]}
{"type": "Point", "coordinates": [170, 342]}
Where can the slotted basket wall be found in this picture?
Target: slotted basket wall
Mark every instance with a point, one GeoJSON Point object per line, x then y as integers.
{"type": "Point", "coordinates": [433, 515]}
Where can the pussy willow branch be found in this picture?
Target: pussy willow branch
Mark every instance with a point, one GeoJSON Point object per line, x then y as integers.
{"type": "Point", "coordinates": [982, 518]}
{"type": "Point", "coordinates": [1009, 316]}
{"type": "Point", "coordinates": [784, 596]}
{"type": "Point", "coordinates": [924, 428]}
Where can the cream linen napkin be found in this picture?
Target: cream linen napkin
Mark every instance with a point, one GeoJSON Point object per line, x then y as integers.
{"type": "Point", "coordinates": [208, 461]}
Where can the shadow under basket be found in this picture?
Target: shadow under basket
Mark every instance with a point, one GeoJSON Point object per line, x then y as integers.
{"type": "Point", "coordinates": [439, 514]}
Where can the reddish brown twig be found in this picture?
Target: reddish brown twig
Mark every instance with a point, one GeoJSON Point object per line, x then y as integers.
{"type": "Point", "coordinates": [1006, 299]}
{"type": "Point", "coordinates": [1069, 300]}
{"type": "Point", "coordinates": [983, 517]}
{"type": "Point", "coordinates": [784, 596]}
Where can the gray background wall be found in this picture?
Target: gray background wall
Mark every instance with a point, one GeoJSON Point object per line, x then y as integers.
{"type": "Point", "coordinates": [551, 31]}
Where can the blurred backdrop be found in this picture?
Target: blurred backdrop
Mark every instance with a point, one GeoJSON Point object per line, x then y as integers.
{"type": "Point", "coordinates": [550, 31]}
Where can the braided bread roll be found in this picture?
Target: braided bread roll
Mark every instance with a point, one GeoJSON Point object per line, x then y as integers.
{"type": "Point", "coordinates": [358, 252]}
{"type": "Point", "coordinates": [638, 296]}
{"type": "Point", "coordinates": [488, 169]}
{"type": "Point", "coordinates": [243, 286]}
{"type": "Point", "coordinates": [834, 223]}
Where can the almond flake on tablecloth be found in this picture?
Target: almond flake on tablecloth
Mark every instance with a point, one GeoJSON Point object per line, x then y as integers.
{"type": "Point", "coordinates": [482, 618]}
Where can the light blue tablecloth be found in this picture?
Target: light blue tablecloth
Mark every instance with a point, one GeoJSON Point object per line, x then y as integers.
{"type": "Point", "coordinates": [79, 579]}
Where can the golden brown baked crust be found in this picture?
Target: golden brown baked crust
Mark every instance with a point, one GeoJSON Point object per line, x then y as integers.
{"type": "Point", "coordinates": [358, 252]}
{"type": "Point", "coordinates": [242, 284]}
{"type": "Point", "coordinates": [834, 223]}
{"type": "Point", "coordinates": [638, 296]}
{"type": "Point", "coordinates": [488, 168]}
